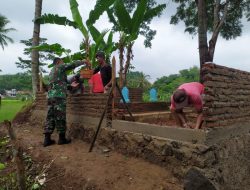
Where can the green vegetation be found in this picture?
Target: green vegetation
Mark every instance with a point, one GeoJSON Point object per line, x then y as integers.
{"type": "Point", "coordinates": [9, 108]}
{"type": "Point", "coordinates": [167, 84]}
{"type": "Point", "coordinates": [19, 81]}
{"type": "Point", "coordinates": [4, 39]}
{"type": "Point", "coordinates": [44, 57]}
{"type": "Point", "coordinates": [8, 168]}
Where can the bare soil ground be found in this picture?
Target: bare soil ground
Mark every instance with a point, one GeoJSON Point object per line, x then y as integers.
{"type": "Point", "coordinates": [74, 168]}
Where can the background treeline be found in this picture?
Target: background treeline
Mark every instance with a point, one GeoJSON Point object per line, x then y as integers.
{"type": "Point", "coordinates": [19, 81]}
{"type": "Point", "coordinates": [164, 85]}
{"type": "Point", "coordinates": [135, 79]}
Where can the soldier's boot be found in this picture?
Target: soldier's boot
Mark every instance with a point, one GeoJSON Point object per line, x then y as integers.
{"type": "Point", "coordinates": [63, 140]}
{"type": "Point", "coordinates": [47, 140]}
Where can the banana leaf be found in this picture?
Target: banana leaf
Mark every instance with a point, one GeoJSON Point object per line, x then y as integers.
{"type": "Point", "coordinates": [55, 48]}
{"type": "Point", "coordinates": [77, 17]}
{"type": "Point", "coordinates": [151, 13]}
{"type": "Point", "coordinates": [98, 46]}
{"type": "Point", "coordinates": [96, 34]}
{"type": "Point", "coordinates": [138, 16]}
{"type": "Point", "coordinates": [110, 45]}
{"type": "Point", "coordinates": [55, 19]}
{"type": "Point", "coordinates": [123, 16]}
{"type": "Point", "coordinates": [112, 19]}
{"type": "Point", "coordinates": [100, 7]}
{"type": "Point", "coordinates": [74, 57]}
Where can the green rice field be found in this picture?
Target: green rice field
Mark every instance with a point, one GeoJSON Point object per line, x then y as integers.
{"type": "Point", "coordinates": [9, 108]}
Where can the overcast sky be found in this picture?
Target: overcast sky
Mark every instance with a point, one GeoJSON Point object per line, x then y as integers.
{"type": "Point", "coordinates": [172, 49]}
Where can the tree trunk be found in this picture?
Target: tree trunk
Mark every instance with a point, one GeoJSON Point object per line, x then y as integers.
{"type": "Point", "coordinates": [121, 59]}
{"type": "Point", "coordinates": [35, 42]}
{"type": "Point", "coordinates": [202, 34]}
{"type": "Point", "coordinates": [218, 23]}
{"type": "Point", "coordinates": [129, 57]}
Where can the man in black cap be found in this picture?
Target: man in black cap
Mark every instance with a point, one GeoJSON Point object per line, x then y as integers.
{"type": "Point", "coordinates": [188, 94]}
{"type": "Point", "coordinates": [104, 69]}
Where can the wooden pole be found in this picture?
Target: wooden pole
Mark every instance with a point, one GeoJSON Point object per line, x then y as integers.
{"type": "Point", "coordinates": [18, 157]}
{"type": "Point", "coordinates": [41, 82]}
{"type": "Point", "coordinates": [113, 84]}
{"type": "Point", "coordinates": [100, 122]}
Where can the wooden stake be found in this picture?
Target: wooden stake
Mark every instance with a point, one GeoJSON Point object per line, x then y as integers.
{"type": "Point", "coordinates": [113, 83]}
{"type": "Point", "coordinates": [41, 81]}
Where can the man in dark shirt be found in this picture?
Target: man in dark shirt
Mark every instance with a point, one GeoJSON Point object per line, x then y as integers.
{"type": "Point", "coordinates": [104, 69]}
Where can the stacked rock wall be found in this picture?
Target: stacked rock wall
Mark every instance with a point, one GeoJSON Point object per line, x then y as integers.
{"type": "Point", "coordinates": [227, 95]}
{"type": "Point", "coordinates": [85, 104]}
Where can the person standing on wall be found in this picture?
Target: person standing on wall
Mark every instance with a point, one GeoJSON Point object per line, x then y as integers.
{"type": "Point", "coordinates": [57, 93]}
{"type": "Point", "coordinates": [105, 70]}
{"type": "Point", "coordinates": [188, 94]}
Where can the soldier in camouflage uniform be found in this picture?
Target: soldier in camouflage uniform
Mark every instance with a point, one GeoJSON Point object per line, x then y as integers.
{"type": "Point", "coordinates": [57, 92]}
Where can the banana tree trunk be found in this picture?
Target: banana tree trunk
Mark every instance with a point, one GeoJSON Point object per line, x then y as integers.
{"type": "Point", "coordinates": [129, 57]}
{"type": "Point", "coordinates": [35, 53]}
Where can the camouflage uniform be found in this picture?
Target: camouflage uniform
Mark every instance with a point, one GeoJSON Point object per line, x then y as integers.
{"type": "Point", "coordinates": [57, 93]}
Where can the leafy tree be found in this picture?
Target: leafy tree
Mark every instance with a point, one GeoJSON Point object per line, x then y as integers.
{"type": "Point", "coordinates": [4, 39]}
{"type": "Point", "coordinates": [201, 17]}
{"type": "Point", "coordinates": [167, 84]}
{"type": "Point", "coordinates": [25, 64]}
{"type": "Point", "coordinates": [136, 79]}
{"type": "Point", "coordinates": [19, 81]}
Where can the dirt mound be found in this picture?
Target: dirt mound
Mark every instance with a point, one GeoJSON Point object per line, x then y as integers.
{"type": "Point", "coordinates": [74, 168]}
{"type": "Point", "coordinates": [23, 115]}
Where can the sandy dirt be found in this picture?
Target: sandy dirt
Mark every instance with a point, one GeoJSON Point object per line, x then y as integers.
{"type": "Point", "coordinates": [74, 168]}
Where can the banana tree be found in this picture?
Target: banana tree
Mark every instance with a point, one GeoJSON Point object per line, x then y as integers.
{"type": "Point", "coordinates": [129, 29]}
{"type": "Point", "coordinates": [88, 30]}
{"type": "Point", "coordinates": [58, 50]}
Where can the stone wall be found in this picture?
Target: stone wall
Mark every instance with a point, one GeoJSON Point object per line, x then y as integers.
{"type": "Point", "coordinates": [85, 104]}
{"type": "Point", "coordinates": [231, 167]}
{"type": "Point", "coordinates": [227, 95]}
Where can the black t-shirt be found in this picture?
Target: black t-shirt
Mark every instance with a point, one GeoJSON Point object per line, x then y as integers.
{"type": "Point", "coordinates": [106, 73]}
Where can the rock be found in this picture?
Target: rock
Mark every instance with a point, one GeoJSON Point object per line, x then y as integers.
{"type": "Point", "coordinates": [106, 150]}
{"type": "Point", "coordinates": [176, 144]}
{"type": "Point", "coordinates": [147, 138]}
{"type": "Point", "coordinates": [167, 151]}
{"type": "Point", "coordinates": [195, 180]}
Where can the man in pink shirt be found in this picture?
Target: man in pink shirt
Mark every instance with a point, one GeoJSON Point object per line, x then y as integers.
{"type": "Point", "coordinates": [188, 94]}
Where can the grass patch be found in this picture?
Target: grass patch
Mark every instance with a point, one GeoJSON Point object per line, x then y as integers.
{"type": "Point", "coordinates": [9, 108]}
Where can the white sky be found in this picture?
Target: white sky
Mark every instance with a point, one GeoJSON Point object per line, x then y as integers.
{"type": "Point", "coordinates": [172, 49]}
